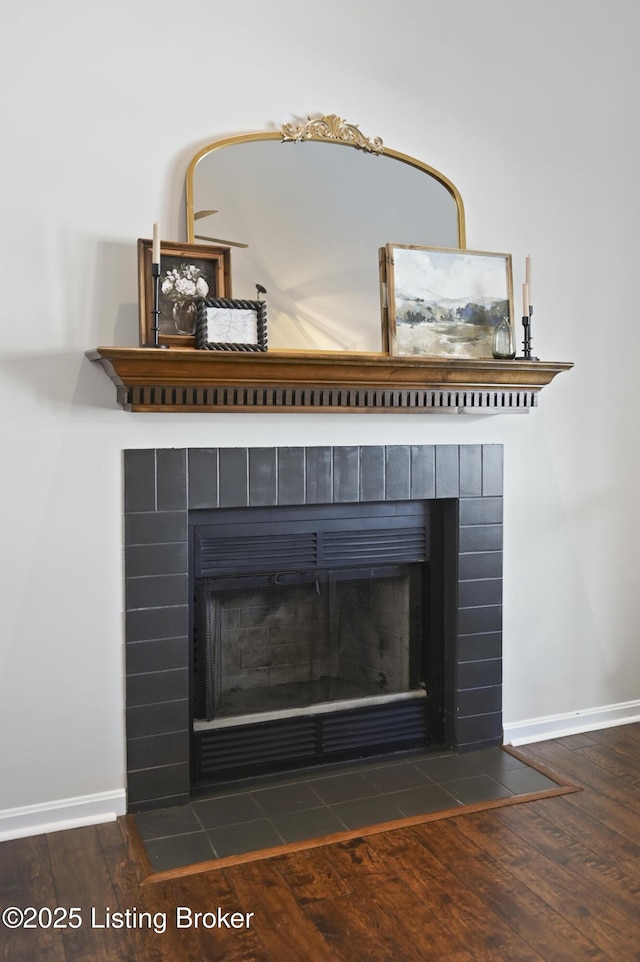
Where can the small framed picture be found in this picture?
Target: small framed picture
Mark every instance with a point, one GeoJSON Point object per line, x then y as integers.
{"type": "Point", "coordinates": [188, 272]}
{"type": "Point", "coordinates": [231, 325]}
{"type": "Point", "coordinates": [442, 302]}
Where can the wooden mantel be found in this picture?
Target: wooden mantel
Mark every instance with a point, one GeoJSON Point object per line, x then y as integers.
{"type": "Point", "coordinates": [190, 380]}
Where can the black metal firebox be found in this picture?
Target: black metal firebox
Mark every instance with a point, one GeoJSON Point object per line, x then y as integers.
{"type": "Point", "coordinates": [315, 635]}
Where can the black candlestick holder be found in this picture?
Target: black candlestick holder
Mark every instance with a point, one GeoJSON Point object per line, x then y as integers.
{"type": "Point", "coordinates": [526, 344]}
{"type": "Point", "coordinates": [155, 326]}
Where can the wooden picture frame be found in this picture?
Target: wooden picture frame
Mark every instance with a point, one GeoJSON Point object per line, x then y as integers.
{"type": "Point", "coordinates": [443, 302]}
{"type": "Point", "coordinates": [210, 264]}
{"type": "Point", "coordinates": [224, 324]}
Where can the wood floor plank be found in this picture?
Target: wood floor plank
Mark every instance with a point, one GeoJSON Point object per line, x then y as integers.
{"type": "Point", "coordinates": [621, 766]}
{"type": "Point", "coordinates": [549, 934]}
{"type": "Point", "coordinates": [212, 896]}
{"type": "Point", "coordinates": [606, 812]}
{"type": "Point", "coordinates": [285, 931]}
{"type": "Point", "coordinates": [581, 740]}
{"type": "Point", "coordinates": [593, 801]}
{"type": "Point", "coordinates": [606, 880]}
{"type": "Point", "coordinates": [487, 937]}
{"type": "Point", "coordinates": [311, 876]}
{"type": "Point", "coordinates": [632, 867]}
{"type": "Point", "coordinates": [624, 739]}
{"type": "Point", "coordinates": [126, 875]}
{"type": "Point", "coordinates": [358, 934]}
{"type": "Point", "coordinates": [601, 838]}
{"type": "Point", "coordinates": [82, 880]}
{"type": "Point", "coordinates": [608, 927]}
{"type": "Point", "coordinates": [26, 882]}
{"type": "Point", "coordinates": [374, 881]}
{"type": "Point", "coordinates": [580, 769]}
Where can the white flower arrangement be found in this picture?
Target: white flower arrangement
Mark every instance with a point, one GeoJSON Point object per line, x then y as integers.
{"type": "Point", "coordinates": [184, 282]}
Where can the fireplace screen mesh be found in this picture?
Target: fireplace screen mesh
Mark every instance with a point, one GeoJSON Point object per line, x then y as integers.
{"type": "Point", "coordinates": [283, 642]}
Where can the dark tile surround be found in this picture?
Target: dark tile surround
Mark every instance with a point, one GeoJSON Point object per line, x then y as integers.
{"type": "Point", "coordinates": [163, 485]}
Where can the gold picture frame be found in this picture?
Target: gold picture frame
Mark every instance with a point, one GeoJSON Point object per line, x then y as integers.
{"type": "Point", "coordinates": [443, 302]}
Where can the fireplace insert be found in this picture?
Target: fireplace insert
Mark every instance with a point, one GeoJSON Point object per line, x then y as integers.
{"type": "Point", "coordinates": [315, 635]}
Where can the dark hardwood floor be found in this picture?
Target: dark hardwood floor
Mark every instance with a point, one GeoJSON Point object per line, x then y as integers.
{"type": "Point", "coordinates": [555, 880]}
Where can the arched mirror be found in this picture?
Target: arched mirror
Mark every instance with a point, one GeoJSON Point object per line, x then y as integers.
{"type": "Point", "coordinates": [305, 212]}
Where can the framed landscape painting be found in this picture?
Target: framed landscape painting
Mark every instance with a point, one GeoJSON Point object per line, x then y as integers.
{"type": "Point", "coordinates": [442, 302]}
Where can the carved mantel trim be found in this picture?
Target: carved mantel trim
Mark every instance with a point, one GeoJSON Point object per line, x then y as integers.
{"type": "Point", "coordinates": [187, 380]}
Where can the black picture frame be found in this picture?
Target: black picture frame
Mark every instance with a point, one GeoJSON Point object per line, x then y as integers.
{"type": "Point", "coordinates": [218, 330]}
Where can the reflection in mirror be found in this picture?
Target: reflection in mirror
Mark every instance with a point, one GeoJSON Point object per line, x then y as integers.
{"type": "Point", "coordinates": [306, 222]}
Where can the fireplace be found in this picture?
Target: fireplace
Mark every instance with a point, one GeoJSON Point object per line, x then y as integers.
{"type": "Point", "coordinates": [311, 628]}
{"type": "Point", "coordinates": [283, 596]}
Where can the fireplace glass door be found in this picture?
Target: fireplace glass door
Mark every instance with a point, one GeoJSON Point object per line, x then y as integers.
{"type": "Point", "coordinates": [288, 642]}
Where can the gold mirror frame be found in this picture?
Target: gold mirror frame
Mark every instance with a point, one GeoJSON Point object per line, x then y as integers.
{"type": "Point", "coordinates": [330, 130]}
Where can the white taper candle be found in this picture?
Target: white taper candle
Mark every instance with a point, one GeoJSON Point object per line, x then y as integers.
{"type": "Point", "coordinates": [155, 256]}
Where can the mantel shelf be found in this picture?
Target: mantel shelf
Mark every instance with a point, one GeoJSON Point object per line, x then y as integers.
{"type": "Point", "coordinates": [175, 379]}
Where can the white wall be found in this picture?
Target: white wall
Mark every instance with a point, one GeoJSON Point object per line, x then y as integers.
{"type": "Point", "coordinates": [531, 111]}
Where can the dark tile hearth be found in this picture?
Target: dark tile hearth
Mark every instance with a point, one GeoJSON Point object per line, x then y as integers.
{"type": "Point", "coordinates": [264, 813]}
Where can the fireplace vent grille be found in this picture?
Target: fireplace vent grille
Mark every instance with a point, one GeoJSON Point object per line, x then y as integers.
{"type": "Point", "coordinates": [306, 550]}
{"type": "Point", "coordinates": [362, 732]}
{"type": "Point", "coordinates": [373, 547]}
{"type": "Point", "coordinates": [258, 553]}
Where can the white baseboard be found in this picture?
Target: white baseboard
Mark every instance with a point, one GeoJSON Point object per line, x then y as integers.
{"type": "Point", "coordinates": [61, 814]}
{"type": "Point", "coordinates": [571, 723]}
